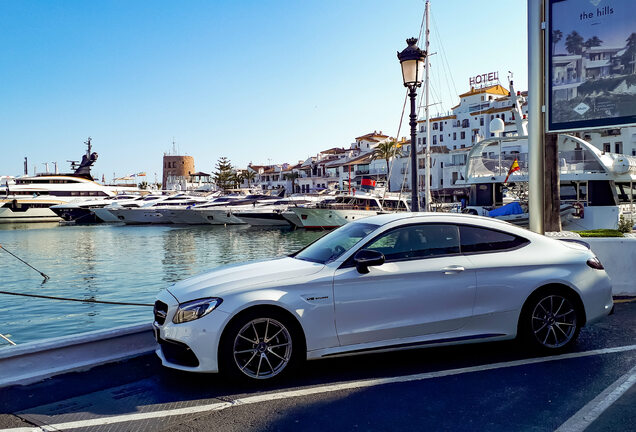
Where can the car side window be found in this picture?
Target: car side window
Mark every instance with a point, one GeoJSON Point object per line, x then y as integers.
{"type": "Point", "coordinates": [475, 239]}
{"type": "Point", "coordinates": [417, 241]}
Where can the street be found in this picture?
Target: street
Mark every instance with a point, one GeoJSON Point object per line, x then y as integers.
{"type": "Point", "coordinates": [495, 386]}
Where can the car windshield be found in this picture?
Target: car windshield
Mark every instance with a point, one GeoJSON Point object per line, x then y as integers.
{"type": "Point", "coordinates": [334, 244]}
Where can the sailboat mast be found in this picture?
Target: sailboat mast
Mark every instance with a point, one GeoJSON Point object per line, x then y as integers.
{"type": "Point", "coordinates": [427, 180]}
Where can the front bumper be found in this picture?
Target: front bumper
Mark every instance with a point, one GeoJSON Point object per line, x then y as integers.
{"type": "Point", "coordinates": [190, 346]}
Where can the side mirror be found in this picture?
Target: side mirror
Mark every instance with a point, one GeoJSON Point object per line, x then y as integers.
{"type": "Point", "coordinates": [367, 258]}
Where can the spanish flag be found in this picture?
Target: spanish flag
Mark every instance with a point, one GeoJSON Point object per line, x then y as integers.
{"type": "Point", "coordinates": [514, 167]}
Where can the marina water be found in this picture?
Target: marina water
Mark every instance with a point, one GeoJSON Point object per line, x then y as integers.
{"type": "Point", "coordinates": [115, 263]}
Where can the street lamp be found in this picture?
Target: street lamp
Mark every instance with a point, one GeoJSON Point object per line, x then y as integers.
{"type": "Point", "coordinates": [412, 62]}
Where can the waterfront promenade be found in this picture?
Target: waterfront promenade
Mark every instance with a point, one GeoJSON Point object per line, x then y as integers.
{"type": "Point", "coordinates": [496, 386]}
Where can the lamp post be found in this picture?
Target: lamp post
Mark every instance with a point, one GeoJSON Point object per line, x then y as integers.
{"type": "Point", "coordinates": [412, 62]}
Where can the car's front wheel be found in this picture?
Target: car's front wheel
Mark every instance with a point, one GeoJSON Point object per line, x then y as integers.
{"type": "Point", "coordinates": [260, 346]}
{"type": "Point", "coordinates": [550, 321]}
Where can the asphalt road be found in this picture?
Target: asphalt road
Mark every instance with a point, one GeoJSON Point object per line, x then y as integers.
{"type": "Point", "coordinates": [495, 386]}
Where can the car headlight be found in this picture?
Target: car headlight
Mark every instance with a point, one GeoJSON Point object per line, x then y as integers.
{"type": "Point", "coordinates": [195, 309]}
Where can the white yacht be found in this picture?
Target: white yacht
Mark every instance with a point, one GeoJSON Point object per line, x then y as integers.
{"type": "Point", "coordinates": [153, 212]}
{"type": "Point", "coordinates": [191, 216]}
{"type": "Point", "coordinates": [84, 211]}
{"type": "Point", "coordinates": [105, 214]}
{"type": "Point", "coordinates": [29, 198]}
{"type": "Point", "coordinates": [344, 209]}
{"type": "Point", "coordinates": [271, 213]}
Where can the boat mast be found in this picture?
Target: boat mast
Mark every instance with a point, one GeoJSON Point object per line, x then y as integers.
{"type": "Point", "coordinates": [427, 180]}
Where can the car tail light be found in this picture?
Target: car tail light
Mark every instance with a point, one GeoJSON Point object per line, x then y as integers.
{"type": "Point", "coordinates": [595, 263]}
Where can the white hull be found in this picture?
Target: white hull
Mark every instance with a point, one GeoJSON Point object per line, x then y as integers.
{"type": "Point", "coordinates": [316, 218]}
{"type": "Point", "coordinates": [30, 215]}
{"type": "Point", "coordinates": [182, 216]}
{"type": "Point", "coordinates": [138, 216]}
{"type": "Point", "coordinates": [219, 217]}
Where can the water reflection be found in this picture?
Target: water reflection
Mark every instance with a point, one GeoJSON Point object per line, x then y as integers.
{"type": "Point", "coordinates": [116, 263]}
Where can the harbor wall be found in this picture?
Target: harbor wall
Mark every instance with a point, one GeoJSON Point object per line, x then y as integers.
{"type": "Point", "coordinates": [35, 361]}
{"type": "Point", "coordinates": [618, 256]}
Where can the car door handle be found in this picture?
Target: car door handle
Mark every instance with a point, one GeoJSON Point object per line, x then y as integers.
{"type": "Point", "coordinates": [453, 269]}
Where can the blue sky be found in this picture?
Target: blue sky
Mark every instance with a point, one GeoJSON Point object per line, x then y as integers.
{"type": "Point", "coordinates": [255, 81]}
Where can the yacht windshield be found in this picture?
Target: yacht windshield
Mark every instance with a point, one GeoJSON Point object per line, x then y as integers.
{"type": "Point", "coordinates": [334, 244]}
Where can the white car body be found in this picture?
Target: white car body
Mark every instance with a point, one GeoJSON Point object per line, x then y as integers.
{"type": "Point", "coordinates": [459, 298]}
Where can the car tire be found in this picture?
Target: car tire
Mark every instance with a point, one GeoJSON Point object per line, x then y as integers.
{"type": "Point", "coordinates": [261, 345]}
{"type": "Point", "coordinates": [550, 321]}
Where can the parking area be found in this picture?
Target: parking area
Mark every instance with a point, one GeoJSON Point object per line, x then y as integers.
{"type": "Point", "coordinates": [495, 386]}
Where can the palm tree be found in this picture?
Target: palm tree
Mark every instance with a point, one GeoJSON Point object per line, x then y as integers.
{"type": "Point", "coordinates": [238, 178]}
{"type": "Point", "coordinates": [387, 150]}
{"type": "Point", "coordinates": [628, 59]}
{"type": "Point", "coordinates": [592, 42]}
{"type": "Point", "coordinates": [292, 176]}
{"type": "Point", "coordinates": [249, 176]}
{"type": "Point", "coordinates": [557, 35]}
{"type": "Point", "coordinates": [574, 43]}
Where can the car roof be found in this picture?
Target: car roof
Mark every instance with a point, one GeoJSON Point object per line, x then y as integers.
{"type": "Point", "coordinates": [447, 218]}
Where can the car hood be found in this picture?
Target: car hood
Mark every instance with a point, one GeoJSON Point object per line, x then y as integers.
{"type": "Point", "coordinates": [232, 278]}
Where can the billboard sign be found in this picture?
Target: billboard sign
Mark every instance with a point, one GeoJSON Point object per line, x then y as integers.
{"type": "Point", "coordinates": [591, 50]}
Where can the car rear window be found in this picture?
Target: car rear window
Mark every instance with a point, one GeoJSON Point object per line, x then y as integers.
{"type": "Point", "coordinates": [474, 239]}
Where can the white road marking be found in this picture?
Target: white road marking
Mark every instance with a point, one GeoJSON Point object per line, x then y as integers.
{"type": "Point", "coordinates": [351, 385]}
{"type": "Point", "coordinates": [593, 409]}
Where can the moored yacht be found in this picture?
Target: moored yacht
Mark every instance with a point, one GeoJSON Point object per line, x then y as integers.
{"type": "Point", "coordinates": [271, 213]}
{"type": "Point", "coordinates": [84, 211]}
{"type": "Point", "coordinates": [344, 209]}
{"type": "Point", "coordinates": [29, 198]}
{"type": "Point", "coordinates": [153, 212]}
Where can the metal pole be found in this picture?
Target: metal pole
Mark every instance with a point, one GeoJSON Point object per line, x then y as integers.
{"type": "Point", "coordinates": [536, 129]}
{"type": "Point", "coordinates": [428, 123]}
{"type": "Point", "coordinates": [415, 204]}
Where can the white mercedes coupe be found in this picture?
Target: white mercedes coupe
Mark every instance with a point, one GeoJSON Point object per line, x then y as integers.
{"type": "Point", "coordinates": [387, 282]}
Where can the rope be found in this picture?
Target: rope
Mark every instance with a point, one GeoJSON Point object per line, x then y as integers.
{"type": "Point", "coordinates": [20, 259]}
{"type": "Point", "coordinates": [75, 300]}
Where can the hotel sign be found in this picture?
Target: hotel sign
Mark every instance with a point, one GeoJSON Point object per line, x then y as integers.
{"type": "Point", "coordinates": [483, 79]}
{"type": "Point", "coordinates": [591, 62]}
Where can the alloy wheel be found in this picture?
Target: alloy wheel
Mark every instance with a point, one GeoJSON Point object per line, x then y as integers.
{"type": "Point", "coordinates": [553, 321]}
{"type": "Point", "coordinates": [262, 348]}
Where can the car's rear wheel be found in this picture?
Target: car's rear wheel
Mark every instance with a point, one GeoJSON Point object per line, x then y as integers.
{"type": "Point", "coordinates": [260, 346]}
{"type": "Point", "coordinates": [550, 321]}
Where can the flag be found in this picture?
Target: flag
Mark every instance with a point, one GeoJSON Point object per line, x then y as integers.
{"type": "Point", "coordinates": [141, 174]}
{"type": "Point", "coordinates": [514, 167]}
{"type": "Point", "coordinates": [367, 183]}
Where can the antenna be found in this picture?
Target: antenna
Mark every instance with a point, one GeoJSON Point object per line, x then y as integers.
{"type": "Point", "coordinates": [90, 147]}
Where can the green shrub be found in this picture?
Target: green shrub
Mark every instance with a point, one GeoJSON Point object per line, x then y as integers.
{"type": "Point", "coordinates": [600, 233]}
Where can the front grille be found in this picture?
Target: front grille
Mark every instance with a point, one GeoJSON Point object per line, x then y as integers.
{"type": "Point", "coordinates": [161, 312]}
{"type": "Point", "coordinates": [178, 353]}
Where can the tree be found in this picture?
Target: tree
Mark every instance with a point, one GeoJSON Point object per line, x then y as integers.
{"type": "Point", "coordinates": [592, 42]}
{"type": "Point", "coordinates": [237, 179]}
{"type": "Point", "coordinates": [628, 59]}
{"type": "Point", "coordinates": [574, 43]}
{"type": "Point", "coordinates": [386, 150]}
{"type": "Point", "coordinates": [557, 35]}
{"type": "Point", "coordinates": [292, 176]}
{"type": "Point", "coordinates": [249, 176]}
{"type": "Point", "coordinates": [223, 176]}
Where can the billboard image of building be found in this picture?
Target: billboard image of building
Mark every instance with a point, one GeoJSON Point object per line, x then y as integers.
{"type": "Point", "coordinates": [591, 63]}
